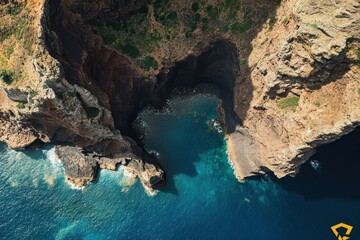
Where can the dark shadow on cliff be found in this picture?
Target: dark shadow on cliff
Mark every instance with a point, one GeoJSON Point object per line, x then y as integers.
{"type": "Point", "coordinates": [218, 65]}
{"type": "Point", "coordinates": [339, 173]}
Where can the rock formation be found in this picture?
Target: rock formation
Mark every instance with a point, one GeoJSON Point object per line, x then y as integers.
{"type": "Point", "coordinates": [288, 73]}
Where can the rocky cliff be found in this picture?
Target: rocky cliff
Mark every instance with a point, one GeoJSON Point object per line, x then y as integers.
{"type": "Point", "coordinates": [288, 73]}
{"type": "Point", "coordinates": [305, 86]}
{"type": "Point", "coordinates": [42, 105]}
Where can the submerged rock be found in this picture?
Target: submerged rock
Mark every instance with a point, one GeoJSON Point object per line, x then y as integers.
{"type": "Point", "coordinates": [316, 165]}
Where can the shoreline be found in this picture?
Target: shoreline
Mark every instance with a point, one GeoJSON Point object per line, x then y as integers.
{"type": "Point", "coordinates": [231, 156]}
{"type": "Point", "coordinates": [242, 155]}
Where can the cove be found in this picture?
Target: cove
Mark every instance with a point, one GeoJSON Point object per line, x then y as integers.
{"type": "Point", "coordinates": [202, 200]}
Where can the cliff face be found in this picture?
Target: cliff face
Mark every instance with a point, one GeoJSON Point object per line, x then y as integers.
{"type": "Point", "coordinates": [49, 108]}
{"type": "Point", "coordinates": [305, 76]}
{"type": "Point", "coordinates": [288, 73]}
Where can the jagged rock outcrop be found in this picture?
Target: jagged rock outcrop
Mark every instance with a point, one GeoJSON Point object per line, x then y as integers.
{"type": "Point", "coordinates": [81, 167]}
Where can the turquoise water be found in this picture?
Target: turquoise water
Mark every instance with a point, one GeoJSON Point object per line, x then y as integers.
{"type": "Point", "coordinates": [202, 200]}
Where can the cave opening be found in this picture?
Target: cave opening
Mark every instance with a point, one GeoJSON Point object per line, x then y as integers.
{"type": "Point", "coordinates": [216, 69]}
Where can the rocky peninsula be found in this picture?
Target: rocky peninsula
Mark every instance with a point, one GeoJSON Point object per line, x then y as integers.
{"type": "Point", "coordinates": [76, 74]}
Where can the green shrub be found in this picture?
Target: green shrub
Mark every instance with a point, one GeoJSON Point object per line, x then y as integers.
{"type": "Point", "coordinates": [107, 34]}
{"type": "Point", "coordinates": [168, 20]}
{"type": "Point", "coordinates": [317, 104]}
{"type": "Point", "coordinates": [7, 76]}
{"type": "Point", "coordinates": [160, 4]}
{"type": "Point", "coordinates": [128, 49]}
{"type": "Point", "coordinates": [9, 51]}
{"type": "Point", "coordinates": [358, 91]}
{"type": "Point", "coordinates": [92, 112]}
{"type": "Point", "coordinates": [276, 2]}
{"type": "Point", "coordinates": [212, 12]}
{"type": "Point", "coordinates": [231, 15]}
{"type": "Point", "coordinates": [5, 32]}
{"type": "Point", "coordinates": [237, 28]}
{"type": "Point", "coordinates": [285, 20]}
{"type": "Point", "coordinates": [195, 6]}
{"type": "Point", "coordinates": [193, 22]}
{"type": "Point", "coordinates": [144, 10]}
{"type": "Point", "coordinates": [149, 62]}
{"type": "Point", "coordinates": [14, 9]}
{"type": "Point", "coordinates": [33, 94]}
{"type": "Point", "coordinates": [21, 28]}
{"type": "Point", "coordinates": [232, 4]}
{"type": "Point", "coordinates": [272, 21]}
{"type": "Point", "coordinates": [288, 102]}
{"type": "Point", "coordinates": [20, 105]}
{"type": "Point", "coordinates": [156, 36]}
{"type": "Point", "coordinates": [313, 25]}
{"type": "Point", "coordinates": [171, 17]}
{"type": "Point", "coordinates": [205, 22]}
{"type": "Point", "coordinates": [243, 62]}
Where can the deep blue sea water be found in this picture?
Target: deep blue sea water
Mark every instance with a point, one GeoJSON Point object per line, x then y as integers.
{"type": "Point", "coordinates": [202, 199]}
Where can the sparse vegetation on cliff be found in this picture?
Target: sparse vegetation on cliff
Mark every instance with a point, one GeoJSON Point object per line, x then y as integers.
{"type": "Point", "coordinates": [5, 33]}
{"type": "Point", "coordinates": [14, 8]}
{"type": "Point", "coordinates": [313, 25]}
{"type": "Point", "coordinates": [16, 21]}
{"type": "Point", "coordinates": [288, 102]}
{"type": "Point", "coordinates": [33, 94]}
{"type": "Point", "coordinates": [17, 37]}
{"type": "Point", "coordinates": [149, 62]}
{"type": "Point", "coordinates": [20, 105]}
{"type": "Point", "coordinates": [285, 20]}
{"type": "Point", "coordinates": [145, 33]}
{"type": "Point", "coordinates": [9, 51]}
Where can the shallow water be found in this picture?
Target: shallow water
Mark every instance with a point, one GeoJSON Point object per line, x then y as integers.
{"type": "Point", "coordinates": [202, 199]}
